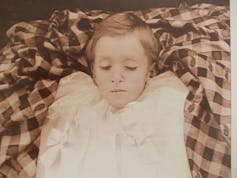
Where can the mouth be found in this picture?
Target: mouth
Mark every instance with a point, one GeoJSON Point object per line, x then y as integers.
{"type": "Point", "coordinates": [117, 91]}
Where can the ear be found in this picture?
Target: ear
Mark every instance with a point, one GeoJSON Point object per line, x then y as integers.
{"type": "Point", "coordinates": [93, 74]}
{"type": "Point", "coordinates": [152, 70]}
{"type": "Point", "coordinates": [92, 70]}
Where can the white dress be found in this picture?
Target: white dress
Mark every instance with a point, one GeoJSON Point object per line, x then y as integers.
{"type": "Point", "coordinates": [85, 139]}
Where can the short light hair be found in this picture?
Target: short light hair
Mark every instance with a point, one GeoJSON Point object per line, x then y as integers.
{"type": "Point", "coordinates": [120, 24]}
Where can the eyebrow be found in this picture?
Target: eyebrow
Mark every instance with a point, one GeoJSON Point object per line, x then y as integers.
{"type": "Point", "coordinates": [129, 58]}
{"type": "Point", "coordinates": [104, 59]}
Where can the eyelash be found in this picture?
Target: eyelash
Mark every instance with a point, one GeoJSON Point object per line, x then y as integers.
{"type": "Point", "coordinates": [131, 68]}
{"type": "Point", "coordinates": [126, 67]}
{"type": "Point", "coordinates": [105, 67]}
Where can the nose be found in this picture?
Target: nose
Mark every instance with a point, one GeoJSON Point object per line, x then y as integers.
{"type": "Point", "coordinates": [117, 75]}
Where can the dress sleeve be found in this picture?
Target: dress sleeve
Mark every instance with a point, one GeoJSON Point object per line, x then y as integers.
{"type": "Point", "coordinates": [74, 93]}
{"type": "Point", "coordinates": [170, 95]}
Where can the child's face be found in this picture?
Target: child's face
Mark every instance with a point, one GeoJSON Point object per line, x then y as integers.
{"type": "Point", "coordinates": [120, 69]}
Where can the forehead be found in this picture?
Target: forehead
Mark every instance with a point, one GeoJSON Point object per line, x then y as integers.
{"type": "Point", "coordinates": [120, 47]}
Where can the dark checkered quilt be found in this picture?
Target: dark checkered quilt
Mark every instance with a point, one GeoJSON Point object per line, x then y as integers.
{"type": "Point", "coordinates": [195, 45]}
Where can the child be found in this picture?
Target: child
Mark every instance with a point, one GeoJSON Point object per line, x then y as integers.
{"type": "Point", "coordinates": [120, 123]}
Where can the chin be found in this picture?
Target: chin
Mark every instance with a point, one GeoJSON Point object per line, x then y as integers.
{"type": "Point", "coordinates": [118, 105]}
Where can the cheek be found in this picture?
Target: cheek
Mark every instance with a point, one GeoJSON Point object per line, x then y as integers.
{"type": "Point", "coordinates": [101, 81]}
{"type": "Point", "coordinates": [139, 77]}
{"type": "Point", "coordinates": [140, 80]}
{"type": "Point", "coordinates": [138, 85]}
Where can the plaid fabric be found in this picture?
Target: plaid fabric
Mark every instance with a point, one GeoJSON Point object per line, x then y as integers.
{"type": "Point", "coordinates": [195, 45]}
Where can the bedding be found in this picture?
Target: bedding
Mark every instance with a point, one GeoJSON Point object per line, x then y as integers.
{"type": "Point", "coordinates": [136, 141]}
{"type": "Point", "coordinates": [195, 45]}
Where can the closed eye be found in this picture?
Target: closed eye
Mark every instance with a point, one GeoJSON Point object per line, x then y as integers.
{"type": "Point", "coordinates": [105, 67]}
{"type": "Point", "coordinates": [130, 68]}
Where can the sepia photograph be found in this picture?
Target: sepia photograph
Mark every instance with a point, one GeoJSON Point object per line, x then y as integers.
{"type": "Point", "coordinates": [116, 89]}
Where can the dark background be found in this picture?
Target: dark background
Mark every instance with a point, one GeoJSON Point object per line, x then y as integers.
{"type": "Point", "coordinates": [13, 11]}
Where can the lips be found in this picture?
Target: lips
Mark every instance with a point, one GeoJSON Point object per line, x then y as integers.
{"type": "Point", "coordinates": [118, 90]}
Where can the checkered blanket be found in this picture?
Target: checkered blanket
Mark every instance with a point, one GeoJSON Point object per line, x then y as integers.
{"type": "Point", "coordinates": [195, 45]}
